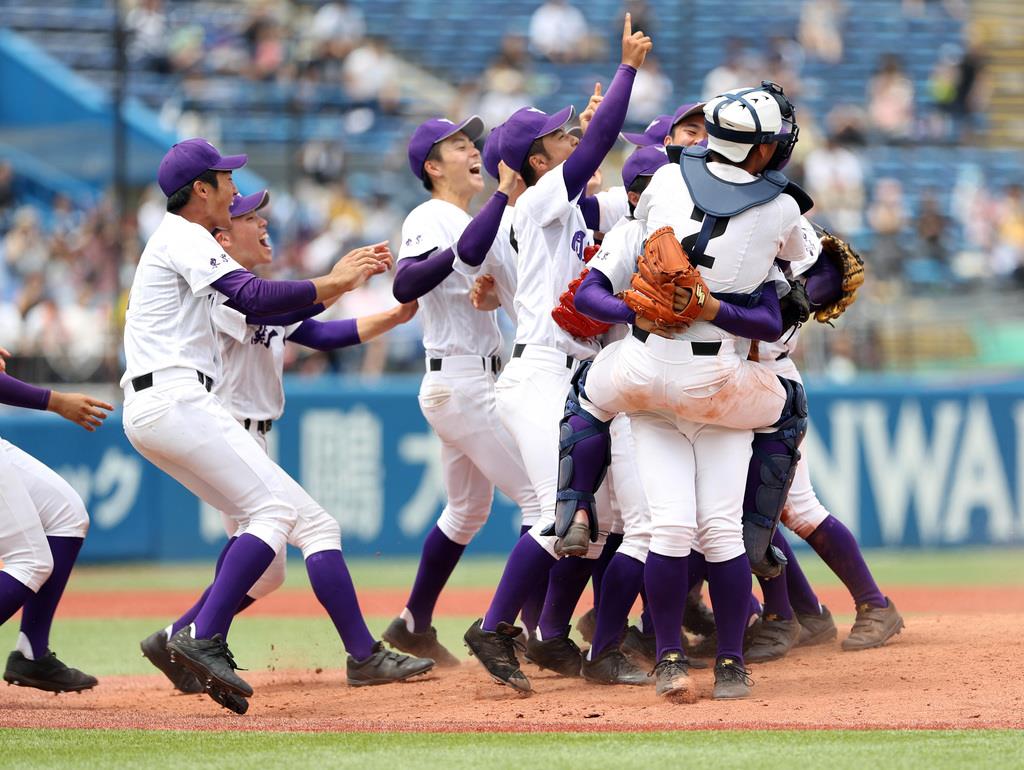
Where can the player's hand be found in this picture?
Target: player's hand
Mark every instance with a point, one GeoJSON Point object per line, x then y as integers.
{"type": "Point", "coordinates": [404, 312]}
{"type": "Point", "coordinates": [588, 112]}
{"type": "Point", "coordinates": [710, 310]}
{"type": "Point", "coordinates": [355, 268]}
{"type": "Point", "coordinates": [79, 408]}
{"type": "Point", "coordinates": [383, 253]}
{"type": "Point", "coordinates": [635, 45]}
{"type": "Point", "coordinates": [508, 178]}
{"type": "Point", "coordinates": [668, 332]}
{"type": "Point", "coordinates": [483, 294]}
{"type": "Point", "coordinates": [4, 353]}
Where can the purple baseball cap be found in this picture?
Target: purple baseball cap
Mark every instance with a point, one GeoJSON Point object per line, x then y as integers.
{"type": "Point", "coordinates": [243, 204]}
{"type": "Point", "coordinates": [187, 160]}
{"type": "Point", "coordinates": [526, 126]}
{"type": "Point", "coordinates": [684, 112]}
{"type": "Point", "coordinates": [436, 130]}
{"type": "Point", "coordinates": [492, 151]}
{"type": "Point", "coordinates": [643, 162]}
{"type": "Point", "coordinates": [655, 132]}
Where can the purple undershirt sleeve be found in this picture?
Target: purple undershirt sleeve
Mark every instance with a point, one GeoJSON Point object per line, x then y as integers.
{"type": "Point", "coordinates": [286, 319]}
{"type": "Point", "coordinates": [591, 208]}
{"type": "Point", "coordinates": [594, 298]}
{"type": "Point", "coordinates": [14, 392]}
{"type": "Point", "coordinates": [326, 335]}
{"type": "Point", "coordinates": [255, 296]}
{"type": "Point", "coordinates": [602, 133]}
{"type": "Point", "coordinates": [761, 322]}
{"type": "Point", "coordinates": [415, 276]}
{"type": "Point", "coordinates": [479, 234]}
{"type": "Point", "coordinates": [823, 282]}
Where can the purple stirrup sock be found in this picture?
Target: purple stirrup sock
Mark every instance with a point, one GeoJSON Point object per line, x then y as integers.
{"type": "Point", "coordinates": [37, 612]}
{"type": "Point", "coordinates": [530, 613]}
{"type": "Point", "coordinates": [666, 584]}
{"type": "Point", "coordinates": [600, 564]}
{"type": "Point", "coordinates": [246, 560]}
{"type": "Point", "coordinates": [438, 559]}
{"type": "Point", "coordinates": [332, 584]}
{"type": "Point", "coordinates": [838, 548]}
{"type": "Point", "coordinates": [646, 624]}
{"type": "Point", "coordinates": [623, 577]}
{"type": "Point", "coordinates": [13, 594]}
{"type": "Point", "coordinates": [729, 584]}
{"type": "Point", "coordinates": [191, 612]}
{"type": "Point", "coordinates": [567, 581]}
{"type": "Point", "coordinates": [801, 596]}
{"type": "Point", "coordinates": [697, 569]}
{"type": "Point", "coordinates": [526, 573]}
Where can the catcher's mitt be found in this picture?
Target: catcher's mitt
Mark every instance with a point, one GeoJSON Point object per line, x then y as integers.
{"type": "Point", "coordinates": [572, 320]}
{"type": "Point", "coordinates": [850, 266]}
{"type": "Point", "coordinates": [661, 268]}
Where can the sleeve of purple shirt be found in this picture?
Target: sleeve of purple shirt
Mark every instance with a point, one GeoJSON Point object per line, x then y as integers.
{"type": "Point", "coordinates": [286, 319]}
{"type": "Point", "coordinates": [823, 282]}
{"type": "Point", "coordinates": [761, 322]}
{"type": "Point", "coordinates": [415, 276]}
{"type": "Point", "coordinates": [326, 335]}
{"type": "Point", "coordinates": [594, 298]}
{"type": "Point", "coordinates": [255, 296]}
{"type": "Point", "coordinates": [591, 208]}
{"type": "Point", "coordinates": [602, 133]}
{"type": "Point", "coordinates": [14, 392]}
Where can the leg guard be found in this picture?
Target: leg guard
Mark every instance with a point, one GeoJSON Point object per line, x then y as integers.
{"type": "Point", "coordinates": [769, 477]}
{"type": "Point", "coordinates": [584, 453]}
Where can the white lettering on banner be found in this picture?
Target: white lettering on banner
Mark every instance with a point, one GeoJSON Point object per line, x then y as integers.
{"type": "Point", "coordinates": [1018, 419]}
{"type": "Point", "coordinates": [117, 478]}
{"type": "Point", "coordinates": [908, 467]}
{"type": "Point", "coordinates": [343, 469]}
{"type": "Point", "coordinates": [979, 481]}
{"type": "Point", "coordinates": [836, 474]}
{"type": "Point", "coordinates": [423, 507]}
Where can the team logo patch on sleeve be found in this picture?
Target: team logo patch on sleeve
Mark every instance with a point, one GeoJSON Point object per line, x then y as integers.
{"type": "Point", "coordinates": [221, 260]}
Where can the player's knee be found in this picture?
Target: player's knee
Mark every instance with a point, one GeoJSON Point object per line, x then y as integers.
{"type": "Point", "coordinates": [271, 579]}
{"type": "Point", "coordinates": [37, 570]}
{"type": "Point", "coordinates": [672, 539]}
{"type": "Point", "coordinates": [317, 532]}
{"type": "Point", "coordinates": [461, 526]}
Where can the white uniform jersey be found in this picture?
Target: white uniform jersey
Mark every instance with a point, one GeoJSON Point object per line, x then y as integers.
{"type": "Point", "coordinates": [501, 263]}
{"type": "Point", "coordinates": [168, 321]}
{"type": "Point", "coordinates": [550, 234]}
{"type": "Point", "coordinates": [252, 365]}
{"type": "Point", "coordinates": [451, 325]}
{"type": "Point", "coordinates": [744, 254]}
{"type": "Point", "coordinates": [784, 347]}
{"type": "Point", "coordinates": [626, 237]}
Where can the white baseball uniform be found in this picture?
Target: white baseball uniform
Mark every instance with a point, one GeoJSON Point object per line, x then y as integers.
{"type": "Point", "coordinates": [456, 395]}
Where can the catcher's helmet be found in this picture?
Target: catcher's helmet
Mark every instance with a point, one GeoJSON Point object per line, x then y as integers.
{"type": "Point", "coordinates": [738, 120]}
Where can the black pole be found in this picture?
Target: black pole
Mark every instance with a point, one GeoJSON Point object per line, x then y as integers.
{"type": "Point", "coordinates": [119, 187]}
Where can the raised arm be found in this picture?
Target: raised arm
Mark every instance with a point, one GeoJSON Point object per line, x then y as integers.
{"type": "Point", "coordinates": [329, 335]}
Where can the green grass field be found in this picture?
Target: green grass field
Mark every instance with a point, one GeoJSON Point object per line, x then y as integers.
{"type": "Point", "coordinates": [110, 647]}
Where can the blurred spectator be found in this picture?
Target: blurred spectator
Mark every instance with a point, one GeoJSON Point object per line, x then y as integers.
{"type": "Point", "coordinates": [835, 179]}
{"type": "Point", "coordinates": [888, 217]}
{"type": "Point", "coordinates": [25, 247]}
{"type": "Point", "coordinates": [336, 29]}
{"type": "Point", "coordinates": [559, 32]}
{"type": "Point", "coordinates": [933, 228]}
{"type": "Point", "coordinates": [847, 123]}
{"type": "Point", "coordinates": [891, 100]}
{"type": "Point", "coordinates": [739, 68]}
{"type": "Point", "coordinates": [6, 189]}
{"type": "Point", "coordinates": [371, 74]}
{"type": "Point", "coordinates": [820, 29]}
{"type": "Point", "coordinates": [146, 25]}
{"type": "Point", "coordinates": [1008, 255]}
{"type": "Point", "coordinates": [652, 91]}
{"type": "Point", "coordinates": [504, 84]}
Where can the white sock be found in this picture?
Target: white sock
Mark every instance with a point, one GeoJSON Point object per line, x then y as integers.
{"type": "Point", "coordinates": [25, 646]}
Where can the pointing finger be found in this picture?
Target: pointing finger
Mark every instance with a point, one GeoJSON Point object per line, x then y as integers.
{"type": "Point", "coordinates": [627, 27]}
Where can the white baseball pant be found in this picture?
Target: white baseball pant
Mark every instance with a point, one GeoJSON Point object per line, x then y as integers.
{"type": "Point", "coordinates": [627, 501]}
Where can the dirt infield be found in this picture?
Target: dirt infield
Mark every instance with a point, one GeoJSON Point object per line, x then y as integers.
{"type": "Point", "coordinates": [952, 669]}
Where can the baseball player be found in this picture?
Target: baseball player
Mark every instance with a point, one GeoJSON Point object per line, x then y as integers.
{"type": "Point", "coordinates": [683, 128]}
{"type": "Point", "coordinates": [251, 388]}
{"type": "Point", "coordinates": [43, 523]}
{"type": "Point", "coordinates": [550, 226]}
{"type": "Point", "coordinates": [442, 249]}
{"type": "Point", "coordinates": [688, 421]}
{"type": "Point", "coordinates": [172, 418]}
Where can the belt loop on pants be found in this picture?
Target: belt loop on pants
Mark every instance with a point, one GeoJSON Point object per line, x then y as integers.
{"type": "Point", "coordinates": [520, 347]}
{"type": "Point", "coordinates": [262, 426]}
{"type": "Point", "coordinates": [698, 348]}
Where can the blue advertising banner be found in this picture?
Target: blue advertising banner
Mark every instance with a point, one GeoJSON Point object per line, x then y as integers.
{"type": "Point", "coordinates": [902, 463]}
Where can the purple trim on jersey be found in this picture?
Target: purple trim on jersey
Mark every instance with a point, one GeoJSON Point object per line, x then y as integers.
{"type": "Point", "coordinates": [591, 208]}
{"type": "Point", "coordinates": [14, 392]}
{"type": "Point", "coordinates": [286, 319]}
{"type": "Point", "coordinates": [326, 335]}
{"type": "Point", "coordinates": [824, 282]}
{"type": "Point", "coordinates": [763, 321]}
{"type": "Point", "coordinates": [602, 133]}
{"type": "Point", "coordinates": [594, 298]}
{"type": "Point", "coordinates": [255, 296]}
{"type": "Point", "coordinates": [479, 234]}
{"type": "Point", "coordinates": [415, 276]}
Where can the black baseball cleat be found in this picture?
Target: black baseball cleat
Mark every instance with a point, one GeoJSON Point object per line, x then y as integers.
{"type": "Point", "coordinates": [612, 667]}
{"type": "Point", "coordinates": [732, 681]}
{"type": "Point", "coordinates": [816, 629]}
{"type": "Point", "coordinates": [774, 638]}
{"type": "Point", "coordinates": [496, 652]}
{"type": "Point", "coordinates": [422, 644]}
{"type": "Point", "coordinates": [154, 649]}
{"type": "Point", "coordinates": [384, 667]}
{"type": "Point", "coordinates": [559, 654]}
{"type": "Point", "coordinates": [210, 660]}
{"type": "Point", "coordinates": [229, 700]}
{"type": "Point", "coordinates": [587, 624]}
{"type": "Point", "coordinates": [698, 618]}
{"type": "Point", "coordinates": [46, 673]}
{"type": "Point", "coordinates": [672, 678]}
{"type": "Point", "coordinates": [874, 626]}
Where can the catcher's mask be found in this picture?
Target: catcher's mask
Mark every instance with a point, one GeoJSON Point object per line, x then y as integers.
{"type": "Point", "coordinates": [785, 138]}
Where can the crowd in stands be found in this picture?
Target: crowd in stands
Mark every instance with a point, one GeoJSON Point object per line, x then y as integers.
{"type": "Point", "coordinates": [61, 266]}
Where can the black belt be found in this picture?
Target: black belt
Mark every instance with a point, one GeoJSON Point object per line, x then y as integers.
{"type": "Point", "coordinates": [782, 355]}
{"type": "Point", "coordinates": [263, 426]}
{"type": "Point", "coordinates": [699, 348]}
{"type": "Point", "coordinates": [489, 363]}
{"type": "Point", "coordinates": [144, 381]}
{"type": "Point", "coordinates": [519, 347]}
